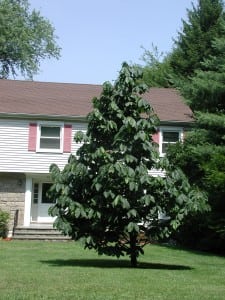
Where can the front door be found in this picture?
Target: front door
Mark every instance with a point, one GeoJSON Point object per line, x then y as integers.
{"type": "Point", "coordinates": [41, 203]}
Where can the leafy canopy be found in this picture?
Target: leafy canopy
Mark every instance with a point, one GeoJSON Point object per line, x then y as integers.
{"type": "Point", "coordinates": [105, 194]}
{"type": "Point", "coordinates": [25, 39]}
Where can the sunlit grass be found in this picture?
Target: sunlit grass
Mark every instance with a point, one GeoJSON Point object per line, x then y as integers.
{"type": "Point", "coordinates": [63, 270]}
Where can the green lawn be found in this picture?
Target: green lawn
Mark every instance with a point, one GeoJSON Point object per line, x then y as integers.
{"type": "Point", "coordinates": [63, 270]}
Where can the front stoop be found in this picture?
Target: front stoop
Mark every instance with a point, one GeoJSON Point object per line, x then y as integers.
{"type": "Point", "coordinates": [38, 232]}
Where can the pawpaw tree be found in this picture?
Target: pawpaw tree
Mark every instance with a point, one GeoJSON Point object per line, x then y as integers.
{"type": "Point", "coordinates": [105, 195]}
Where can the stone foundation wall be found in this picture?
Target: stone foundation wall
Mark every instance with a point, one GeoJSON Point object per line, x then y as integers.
{"type": "Point", "coordinates": [12, 196]}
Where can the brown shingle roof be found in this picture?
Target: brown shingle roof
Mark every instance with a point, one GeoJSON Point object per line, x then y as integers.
{"type": "Point", "coordinates": [169, 105]}
{"type": "Point", "coordinates": [67, 99]}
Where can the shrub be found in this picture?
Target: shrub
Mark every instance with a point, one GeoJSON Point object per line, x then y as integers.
{"type": "Point", "coordinates": [4, 218]}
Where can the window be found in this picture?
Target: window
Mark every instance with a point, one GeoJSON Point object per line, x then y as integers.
{"type": "Point", "coordinates": [44, 197]}
{"type": "Point", "coordinates": [50, 138]}
{"type": "Point", "coordinates": [35, 193]}
{"type": "Point", "coordinates": [169, 136]}
{"type": "Point", "coordinates": [40, 193]}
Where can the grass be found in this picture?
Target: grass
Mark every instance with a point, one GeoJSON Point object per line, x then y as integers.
{"type": "Point", "coordinates": [63, 270]}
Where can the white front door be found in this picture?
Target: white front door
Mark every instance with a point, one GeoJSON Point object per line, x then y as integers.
{"type": "Point", "coordinates": [41, 203]}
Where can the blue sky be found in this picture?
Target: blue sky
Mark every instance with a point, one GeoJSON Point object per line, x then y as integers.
{"type": "Point", "coordinates": [96, 36]}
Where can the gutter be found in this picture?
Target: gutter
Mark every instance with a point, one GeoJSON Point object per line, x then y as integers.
{"type": "Point", "coordinates": [23, 116]}
{"type": "Point", "coordinates": [42, 116]}
{"type": "Point", "coordinates": [177, 123]}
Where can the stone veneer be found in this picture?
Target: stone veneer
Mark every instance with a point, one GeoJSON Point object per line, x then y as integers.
{"type": "Point", "coordinates": [12, 196]}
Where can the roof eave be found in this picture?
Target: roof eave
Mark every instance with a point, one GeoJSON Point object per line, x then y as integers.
{"type": "Point", "coordinates": [42, 116]}
{"type": "Point", "coordinates": [177, 123]}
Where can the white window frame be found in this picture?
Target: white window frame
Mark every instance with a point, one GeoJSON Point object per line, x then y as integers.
{"type": "Point", "coordinates": [163, 129]}
{"type": "Point", "coordinates": [61, 138]}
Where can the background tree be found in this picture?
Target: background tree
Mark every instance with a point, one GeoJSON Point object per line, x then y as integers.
{"type": "Point", "coordinates": [196, 67]}
{"type": "Point", "coordinates": [192, 46]}
{"type": "Point", "coordinates": [194, 42]}
{"type": "Point", "coordinates": [25, 39]}
{"type": "Point", "coordinates": [202, 156]}
{"type": "Point", "coordinates": [157, 71]}
{"type": "Point", "coordinates": [106, 195]}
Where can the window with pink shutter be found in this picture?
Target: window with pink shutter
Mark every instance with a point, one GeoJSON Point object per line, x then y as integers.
{"type": "Point", "coordinates": [32, 139]}
{"type": "Point", "coordinates": [50, 137]}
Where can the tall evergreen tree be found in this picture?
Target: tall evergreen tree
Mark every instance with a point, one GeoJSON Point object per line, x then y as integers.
{"type": "Point", "coordinates": [194, 42]}
{"type": "Point", "coordinates": [202, 157]}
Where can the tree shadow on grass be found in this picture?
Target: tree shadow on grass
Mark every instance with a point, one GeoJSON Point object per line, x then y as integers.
{"type": "Point", "coordinates": [110, 263]}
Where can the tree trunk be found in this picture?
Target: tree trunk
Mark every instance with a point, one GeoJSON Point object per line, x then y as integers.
{"type": "Point", "coordinates": [133, 250]}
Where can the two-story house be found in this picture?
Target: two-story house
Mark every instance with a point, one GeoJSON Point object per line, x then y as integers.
{"type": "Point", "coordinates": [37, 123]}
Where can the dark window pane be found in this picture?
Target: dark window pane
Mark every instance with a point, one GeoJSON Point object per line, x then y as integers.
{"type": "Point", "coordinates": [170, 136]}
{"type": "Point", "coordinates": [46, 143]}
{"type": "Point", "coordinates": [164, 148]}
{"type": "Point", "coordinates": [50, 131]}
{"type": "Point", "coordinates": [45, 198]}
{"type": "Point", "coordinates": [35, 197]}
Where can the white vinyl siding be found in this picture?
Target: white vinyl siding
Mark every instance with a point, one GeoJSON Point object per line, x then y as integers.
{"type": "Point", "coordinates": [14, 154]}
{"type": "Point", "coordinates": [15, 157]}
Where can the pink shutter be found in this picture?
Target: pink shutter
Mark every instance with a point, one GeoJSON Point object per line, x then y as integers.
{"type": "Point", "coordinates": [32, 139]}
{"type": "Point", "coordinates": [67, 138]}
{"type": "Point", "coordinates": [155, 137]}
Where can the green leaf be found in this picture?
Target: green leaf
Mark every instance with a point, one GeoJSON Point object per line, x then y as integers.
{"type": "Point", "coordinates": [125, 203]}
{"type": "Point", "coordinates": [130, 158]}
{"type": "Point", "coordinates": [116, 201]}
{"type": "Point", "coordinates": [98, 214]}
{"type": "Point", "coordinates": [132, 227]}
{"type": "Point", "coordinates": [132, 186]}
{"type": "Point", "coordinates": [130, 172]}
{"type": "Point", "coordinates": [77, 212]}
{"type": "Point", "coordinates": [82, 212]}
{"type": "Point", "coordinates": [130, 121]}
{"type": "Point", "coordinates": [132, 213]}
{"type": "Point", "coordinates": [98, 186]}
{"type": "Point", "coordinates": [141, 135]}
{"type": "Point", "coordinates": [89, 240]}
{"type": "Point", "coordinates": [111, 169]}
{"type": "Point", "coordinates": [90, 213]}
{"type": "Point", "coordinates": [148, 199]}
{"type": "Point", "coordinates": [175, 224]}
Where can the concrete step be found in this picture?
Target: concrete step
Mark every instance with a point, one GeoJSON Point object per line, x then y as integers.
{"type": "Point", "coordinates": [38, 233]}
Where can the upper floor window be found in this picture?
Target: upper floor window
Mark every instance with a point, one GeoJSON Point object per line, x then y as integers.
{"type": "Point", "coordinates": [50, 137]}
{"type": "Point", "coordinates": [169, 136]}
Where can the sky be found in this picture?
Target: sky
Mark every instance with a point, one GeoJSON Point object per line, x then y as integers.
{"type": "Point", "coordinates": [97, 36]}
